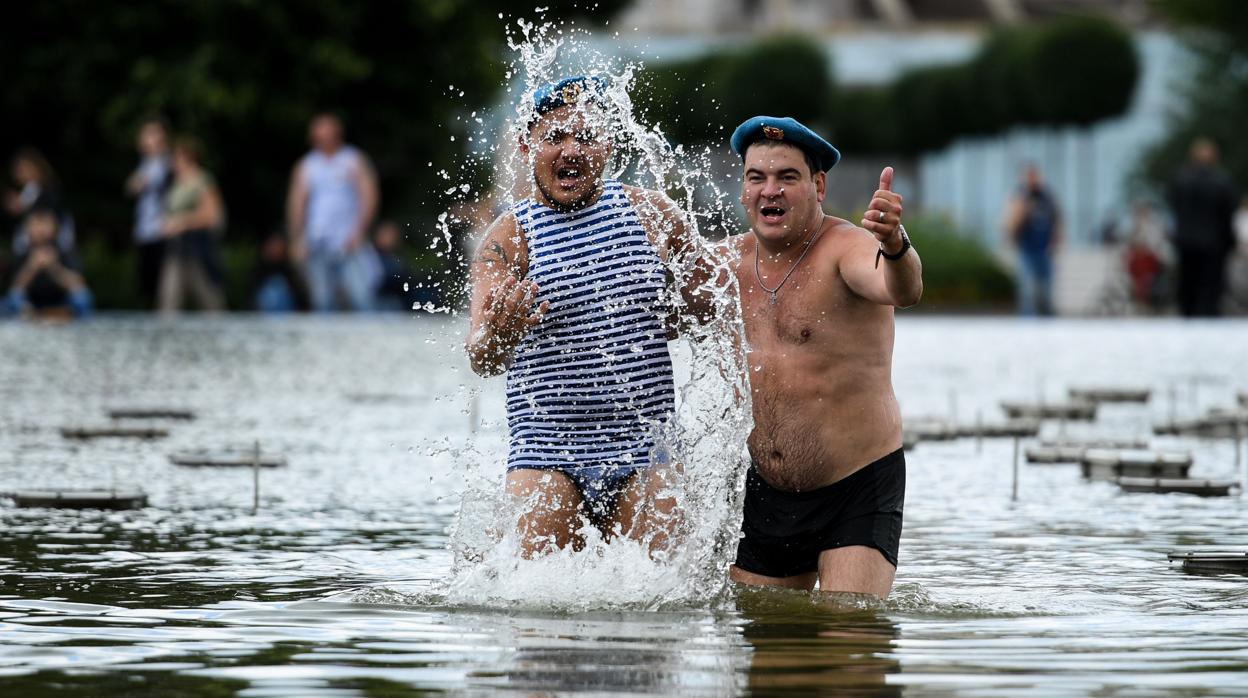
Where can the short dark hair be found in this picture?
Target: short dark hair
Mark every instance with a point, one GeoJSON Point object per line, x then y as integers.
{"type": "Point", "coordinates": [810, 158]}
{"type": "Point", "coordinates": [191, 147]}
{"type": "Point", "coordinates": [155, 120]}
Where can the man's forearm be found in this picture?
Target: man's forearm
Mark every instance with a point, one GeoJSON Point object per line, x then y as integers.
{"type": "Point", "coordinates": [904, 279]}
{"type": "Point", "coordinates": [23, 278]}
{"type": "Point", "coordinates": [487, 354]}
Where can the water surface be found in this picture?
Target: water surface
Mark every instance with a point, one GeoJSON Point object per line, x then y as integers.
{"type": "Point", "coordinates": [326, 589]}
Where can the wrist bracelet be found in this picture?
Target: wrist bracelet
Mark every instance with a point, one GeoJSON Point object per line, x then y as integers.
{"type": "Point", "coordinates": [905, 247]}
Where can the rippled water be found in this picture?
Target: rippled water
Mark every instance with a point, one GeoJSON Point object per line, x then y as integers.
{"type": "Point", "coordinates": [1065, 592]}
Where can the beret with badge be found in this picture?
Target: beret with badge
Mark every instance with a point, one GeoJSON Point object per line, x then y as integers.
{"type": "Point", "coordinates": [571, 90]}
{"type": "Point", "coordinates": [787, 130]}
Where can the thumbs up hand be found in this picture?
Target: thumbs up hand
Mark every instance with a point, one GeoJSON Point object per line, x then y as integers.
{"type": "Point", "coordinates": [883, 215]}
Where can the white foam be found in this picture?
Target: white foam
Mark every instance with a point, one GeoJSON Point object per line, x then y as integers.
{"type": "Point", "coordinates": [707, 434]}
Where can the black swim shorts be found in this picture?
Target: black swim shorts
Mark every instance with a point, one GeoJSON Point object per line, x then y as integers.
{"type": "Point", "coordinates": [783, 532]}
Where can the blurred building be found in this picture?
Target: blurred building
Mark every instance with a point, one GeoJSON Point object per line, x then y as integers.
{"type": "Point", "coordinates": [872, 41]}
{"type": "Point", "coordinates": [750, 16]}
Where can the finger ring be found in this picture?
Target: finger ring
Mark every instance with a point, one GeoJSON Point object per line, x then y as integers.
{"type": "Point", "coordinates": [882, 216]}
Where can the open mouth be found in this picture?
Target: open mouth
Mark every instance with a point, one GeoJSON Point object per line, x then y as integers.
{"type": "Point", "coordinates": [568, 176]}
{"type": "Point", "coordinates": [771, 214]}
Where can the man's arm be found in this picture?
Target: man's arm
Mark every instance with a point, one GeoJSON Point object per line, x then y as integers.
{"type": "Point", "coordinates": [365, 180]}
{"type": "Point", "coordinates": [694, 267]}
{"type": "Point", "coordinates": [296, 205]}
{"type": "Point", "coordinates": [135, 183]}
{"type": "Point", "coordinates": [502, 300]}
{"type": "Point", "coordinates": [1015, 210]}
{"type": "Point", "coordinates": [867, 273]}
{"type": "Point", "coordinates": [29, 269]}
{"type": "Point", "coordinates": [63, 276]}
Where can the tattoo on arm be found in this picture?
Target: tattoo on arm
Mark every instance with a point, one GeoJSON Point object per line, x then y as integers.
{"type": "Point", "coordinates": [493, 253]}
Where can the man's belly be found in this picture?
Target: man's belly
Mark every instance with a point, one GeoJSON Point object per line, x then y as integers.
{"type": "Point", "coordinates": [813, 427]}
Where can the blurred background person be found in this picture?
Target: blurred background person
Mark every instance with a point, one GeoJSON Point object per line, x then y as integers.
{"type": "Point", "coordinates": [1034, 225]}
{"type": "Point", "coordinates": [1203, 201]}
{"type": "Point", "coordinates": [276, 286]}
{"type": "Point", "coordinates": [1146, 255]}
{"type": "Point", "coordinates": [331, 204]}
{"type": "Point", "coordinates": [1237, 277]}
{"type": "Point", "coordinates": [37, 187]}
{"type": "Point", "coordinates": [147, 185]}
{"type": "Point", "coordinates": [194, 219]}
{"type": "Point", "coordinates": [46, 281]}
{"type": "Point", "coordinates": [396, 291]}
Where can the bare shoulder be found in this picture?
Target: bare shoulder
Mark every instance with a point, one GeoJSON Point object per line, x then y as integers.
{"type": "Point", "coordinates": [504, 230]}
{"type": "Point", "coordinates": [502, 244]}
{"type": "Point", "coordinates": [841, 237]}
{"type": "Point", "coordinates": [651, 200]}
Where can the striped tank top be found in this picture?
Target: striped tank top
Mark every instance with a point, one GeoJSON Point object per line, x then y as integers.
{"type": "Point", "coordinates": [590, 385]}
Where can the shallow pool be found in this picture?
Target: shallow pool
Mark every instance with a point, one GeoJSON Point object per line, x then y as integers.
{"type": "Point", "coordinates": [1066, 591]}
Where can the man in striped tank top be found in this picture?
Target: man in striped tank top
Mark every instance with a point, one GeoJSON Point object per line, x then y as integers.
{"type": "Point", "coordinates": [569, 300]}
{"type": "Point", "coordinates": [825, 491]}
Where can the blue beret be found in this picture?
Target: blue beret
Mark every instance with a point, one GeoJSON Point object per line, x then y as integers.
{"type": "Point", "coordinates": [788, 130]}
{"type": "Point", "coordinates": [571, 90]}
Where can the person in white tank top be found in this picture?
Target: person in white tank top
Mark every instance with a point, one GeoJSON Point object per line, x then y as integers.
{"type": "Point", "coordinates": [332, 202]}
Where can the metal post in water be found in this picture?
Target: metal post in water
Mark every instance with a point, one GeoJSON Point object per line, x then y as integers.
{"type": "Point", "coordinates": [1014, 487]}
{"type": "Point", "coordinates": [979, 431]}
{"type": "Point", "coordinates": [1235, 437]}
{"type": "Point", "coordinates": [1174, 398]}
{"type": "Point", "coordinates": [1239, 436]}
{"type": "Point", "coordinates": [255, 478]}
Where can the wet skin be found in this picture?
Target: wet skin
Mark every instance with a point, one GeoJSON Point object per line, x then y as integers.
{"type": "Point", "coordinates": [820, 357]}
{"type": "Point", "coordinates": [567, 150]}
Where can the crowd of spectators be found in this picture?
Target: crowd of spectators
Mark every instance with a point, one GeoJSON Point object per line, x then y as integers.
{"type": "Point", "coordinates": [333, 256]}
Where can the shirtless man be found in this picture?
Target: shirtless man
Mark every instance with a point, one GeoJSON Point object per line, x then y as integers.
{"type": "Point", "coordinates": [824, 493]}
{"type": "Point", "coordinates": [568, 299]}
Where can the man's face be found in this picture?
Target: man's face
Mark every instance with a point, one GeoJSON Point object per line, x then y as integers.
{"type": "Point", "coordinates": [152, 139]}
{"type": "Point", "coordinates": [568, 152]}
{"type": "Point", "coordinates": [325, 133]}
{"type": "Point", "coordinates": [779, 192]}
{"type": "Point", "coordinates": [1031, 178]}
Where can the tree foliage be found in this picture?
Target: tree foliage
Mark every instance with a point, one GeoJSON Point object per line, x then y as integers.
{"type": "Point", "coordinates": [244, 76]}
{"type": "Point", "coordinates": [1214, 101]}
{"type": "Point", "coordinates": [702, 99]}
{"type": "Point", "coordinates": [1071, 71]}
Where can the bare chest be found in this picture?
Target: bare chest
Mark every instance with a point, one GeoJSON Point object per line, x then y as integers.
{"type": "Point", "coordinates": [807, 311]}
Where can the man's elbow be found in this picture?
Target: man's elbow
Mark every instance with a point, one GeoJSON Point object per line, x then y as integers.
{"type": "Point", "coordinates": [911, 296]}
{"type": "Point", "coordinates": [481, 363]}
{"type": "Point", "coordinates": [481, 367]}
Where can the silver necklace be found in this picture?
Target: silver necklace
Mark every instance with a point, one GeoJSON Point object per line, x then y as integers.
{"type": "Point", "coordinates": [773, 291]}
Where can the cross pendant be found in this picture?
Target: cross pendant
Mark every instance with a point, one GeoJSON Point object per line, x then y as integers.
{"type": "Point", "coordinates": [773, 296]}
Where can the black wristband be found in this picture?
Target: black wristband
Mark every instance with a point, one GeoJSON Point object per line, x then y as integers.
{"type": "Point", "coordinates": [905, 247]}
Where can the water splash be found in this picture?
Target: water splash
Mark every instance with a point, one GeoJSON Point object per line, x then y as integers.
{"type": "Point", "coordinates": [706, 436]}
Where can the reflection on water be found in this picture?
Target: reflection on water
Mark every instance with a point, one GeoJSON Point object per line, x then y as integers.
{"type": "Point", "coordinates": [330, 588]}
{"type": "Point", "coordinates": [803, 642]}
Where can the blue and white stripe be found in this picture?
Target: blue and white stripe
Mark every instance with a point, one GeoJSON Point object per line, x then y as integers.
{"type": "Point", "coordinates": [590, 385]}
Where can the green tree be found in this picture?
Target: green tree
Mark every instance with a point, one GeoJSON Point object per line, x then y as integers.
{"type": "Point", "coordinates": [702, 99]}
{"type": "Point", "coordinates": [244, 76]}
{"type": "Point", "coordinates": [1214, 101]}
